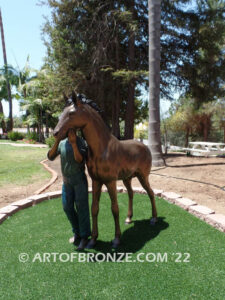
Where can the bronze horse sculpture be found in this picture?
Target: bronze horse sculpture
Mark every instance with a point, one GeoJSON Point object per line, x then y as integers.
{"type": "Point", "coordinates": [108, 160]}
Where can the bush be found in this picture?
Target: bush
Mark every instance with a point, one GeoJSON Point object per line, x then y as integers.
{"type": "Point", "coordinates": [32, 136]}
{"type": "Point", "coordinates": [50, 141]}
{"type": "Point", "coordinates": [15, 135]}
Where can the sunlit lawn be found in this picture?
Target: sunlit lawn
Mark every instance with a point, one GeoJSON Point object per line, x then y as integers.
{"type": "Point", "coordinates": [21, 165]}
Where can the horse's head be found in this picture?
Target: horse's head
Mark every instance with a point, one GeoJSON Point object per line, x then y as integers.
{"type": "Point", "coordinates": [73, 116]}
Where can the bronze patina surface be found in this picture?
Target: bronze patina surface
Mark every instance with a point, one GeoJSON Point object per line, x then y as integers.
{"type": "Point", "coordinates": [108, 160]}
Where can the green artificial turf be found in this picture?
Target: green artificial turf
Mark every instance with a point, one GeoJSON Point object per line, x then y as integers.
{"type": "Point", "coordinates": [21, 165]}
{"type": "Point", "coordinates": [45, 229]}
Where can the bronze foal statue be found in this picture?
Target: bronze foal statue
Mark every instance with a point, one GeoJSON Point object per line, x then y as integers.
{"type": "Point", "coordinates": [108, 160]}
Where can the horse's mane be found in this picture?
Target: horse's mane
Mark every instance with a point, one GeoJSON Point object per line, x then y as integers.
{"type": "Point", "coordinates": [84, 100]}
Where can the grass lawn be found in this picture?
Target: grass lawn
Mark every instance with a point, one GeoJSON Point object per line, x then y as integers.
{"type": "Point", "coordinates": [45, 229]}
{"type": "Point", "coordinates": [21, 165]}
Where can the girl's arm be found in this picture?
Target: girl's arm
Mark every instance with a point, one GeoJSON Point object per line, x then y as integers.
{"type": "Point", "coordinates": [73, 141]}
{"type": "Point", "coordinates": [53, 153]}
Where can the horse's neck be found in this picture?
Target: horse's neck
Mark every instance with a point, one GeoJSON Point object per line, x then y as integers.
{"type": "Point", "coordinates": [97, 137]}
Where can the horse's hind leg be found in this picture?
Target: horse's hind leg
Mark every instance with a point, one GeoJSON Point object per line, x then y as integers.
{"type": "Point", "coordinates": [127, 183]}
{"type": "Point", "coordinates": [145, 183]}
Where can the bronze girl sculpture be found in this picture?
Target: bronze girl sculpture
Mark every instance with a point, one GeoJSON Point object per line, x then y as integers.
{"type": "Point", "coordinates": [108, 160]}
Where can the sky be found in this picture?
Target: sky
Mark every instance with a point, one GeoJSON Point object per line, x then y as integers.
{"type": "Point", "coordinates": [22, 22]}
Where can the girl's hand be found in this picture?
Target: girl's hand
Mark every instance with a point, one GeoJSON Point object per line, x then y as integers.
{"type": "Point", "coordinates": [72, 138]}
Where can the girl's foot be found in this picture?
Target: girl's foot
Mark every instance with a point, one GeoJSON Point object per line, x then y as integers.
{"type": "Point", "coordinates": [75, 239]}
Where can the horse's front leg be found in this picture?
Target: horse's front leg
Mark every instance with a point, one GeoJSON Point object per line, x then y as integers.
{"type": "Point", "coordinates": [127, 183]}
{"type": "Point", "coordinates": [96, 193]}
{"type": "Point", "coordinates": [111, 186]}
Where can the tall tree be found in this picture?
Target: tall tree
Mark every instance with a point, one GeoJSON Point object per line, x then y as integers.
{"type": "Point", "coordinates": [154, 81]}
{"type": "Point", "coordinates": [10, 123]}
{"type": "Point", "coordinates": [204, 68]}
{"type": "Point", "coordinates": [106, 62]}
{"type": "Point", "coordinates": [8, 76]}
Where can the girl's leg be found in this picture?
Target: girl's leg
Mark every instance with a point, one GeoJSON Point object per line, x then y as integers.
{"type": "Point", "coordinates": [68, 197]}
{"type": "Point", "coordinates": [81, 202]}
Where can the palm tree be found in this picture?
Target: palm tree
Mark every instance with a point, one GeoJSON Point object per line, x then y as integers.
{"type": "Point", "coordinates": [8, 77]}
{"type": "Point", "coordinates": [36, 99]}
{"type": "Point", "coordinates": [154, 82]}
{"type": "Point", "coordinates": [34, 119]}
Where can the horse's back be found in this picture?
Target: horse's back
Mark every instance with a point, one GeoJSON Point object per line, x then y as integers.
{"type": "Point", "coordinates": [137, 155]}
{"type": "Point", "coordinates": [135, 146]}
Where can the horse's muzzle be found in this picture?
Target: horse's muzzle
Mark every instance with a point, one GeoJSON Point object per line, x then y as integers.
{"type": "Point", "coordinates": [55, 133]}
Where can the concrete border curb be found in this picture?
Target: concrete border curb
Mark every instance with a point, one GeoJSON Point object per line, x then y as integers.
{"type": "Point", "coordinates": [202, 212]}
{"type": "Point", "coordinates": [53, 179]}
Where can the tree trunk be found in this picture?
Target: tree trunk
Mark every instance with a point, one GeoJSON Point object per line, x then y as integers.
{"type": "Point", "coordinates": [46, 124]}
{"type": "Point", "coordinates": [2, 121]}
{"type": "Point", "coordinates": [206, 127]}
{"type": "Point", "coordinates": [115, 113]}
{"type": "Point", "coordinates": [205, 133]}
{"type": "Point", "coordinates": [187, 137]}
{"type": "Point", "coordinates": [224, 133]}
{"type": "Point", "coordinates": [129, 117]}
{"type": "Point", "coordinates": [116, 102]}
{"type": "Point", "coordinates": [154, 82]}
{"type": "Point", "coordinates": [10, 122]}
{"type": "Point", "coordinates": [40, 133]}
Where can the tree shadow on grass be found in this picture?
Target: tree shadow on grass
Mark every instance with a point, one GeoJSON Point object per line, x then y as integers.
{"type": "Point", "coordinates": [135, 237]}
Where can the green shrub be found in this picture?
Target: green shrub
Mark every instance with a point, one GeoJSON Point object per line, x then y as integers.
{"type": "Point", "coordinates": [32, 136]}
{"type": "Point", "coordinates": [15, 135]}
{"type": "Point", "coordinates": [50, 141]}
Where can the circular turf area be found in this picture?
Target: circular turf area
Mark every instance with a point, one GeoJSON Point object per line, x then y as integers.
{"type": "Point", "coordinates": [179, 258]}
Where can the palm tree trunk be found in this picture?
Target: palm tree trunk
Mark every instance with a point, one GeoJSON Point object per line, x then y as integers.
{"type": "Point", "coordinates": [10, 123]}
{"type": "Point", "coordinates": [154, 82]}
{"type": "Point", "coordinates": [2, 121]}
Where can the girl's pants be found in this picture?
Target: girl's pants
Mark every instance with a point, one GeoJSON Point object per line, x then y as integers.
{"type": "Point", "coordinates": [75, 205]}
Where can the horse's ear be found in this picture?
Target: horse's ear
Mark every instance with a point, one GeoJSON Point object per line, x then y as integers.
{"type": "Point", "coordinates": [77, 100]}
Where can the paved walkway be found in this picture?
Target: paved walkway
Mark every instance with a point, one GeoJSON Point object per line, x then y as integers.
{"type": "Point", "coordinates": [24, 145]}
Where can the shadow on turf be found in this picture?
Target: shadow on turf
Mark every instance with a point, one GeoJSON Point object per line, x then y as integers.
{"type": "Point", "coordinates": [135, 237]}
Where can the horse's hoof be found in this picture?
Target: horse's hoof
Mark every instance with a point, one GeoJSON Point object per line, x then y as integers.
{"type": "Point", "coordinates": [115, 243]}
{"type": "Point", "coordinates": [153, 221]}
{"type": "Point", "coordinates": [83, 243]}
{"type": "Point", "coordinates": [91, 244]}
{"type": "Point", "coordinates": [128, 221]}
